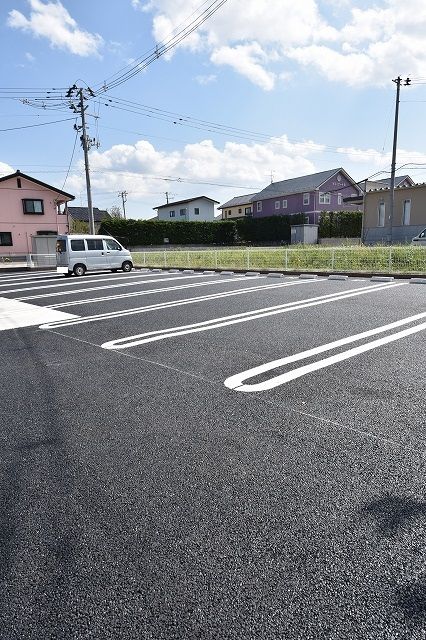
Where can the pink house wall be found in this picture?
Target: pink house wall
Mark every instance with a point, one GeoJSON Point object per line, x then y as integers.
{"type": "Point", "coordinates": [23, 226]}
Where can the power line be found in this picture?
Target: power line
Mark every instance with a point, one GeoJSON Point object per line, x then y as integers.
{"type": "Point", "coordinates": [39, 124]}
{"type": "Point", "coordinates": [71, 159]}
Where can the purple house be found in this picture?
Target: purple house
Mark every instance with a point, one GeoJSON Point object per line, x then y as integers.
{"type": "Point", "coordinates": [323, 191]}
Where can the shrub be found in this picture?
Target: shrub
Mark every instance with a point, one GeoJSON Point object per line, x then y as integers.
{"type": "Point", "coordinates": [340, 224]}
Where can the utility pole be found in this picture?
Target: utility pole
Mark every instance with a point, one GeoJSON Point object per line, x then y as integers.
{"type": "Point", "coordinates": [86, 143]}
{"type": "Point", "coordinates": [398, 82]}
{"type": "Point", "coordinates": [167, 197]}
{"type": "Point", "coordinates": [123, 195]}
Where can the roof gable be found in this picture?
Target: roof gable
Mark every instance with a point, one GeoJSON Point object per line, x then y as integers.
{"type": "Point", "coordinates": [19, 174]}
{"type": "Point", "coordinates": [82, 214]}
{"type": "Point", "coordinates": [238, 201]}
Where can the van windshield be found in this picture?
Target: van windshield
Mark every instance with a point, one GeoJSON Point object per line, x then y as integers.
{"type": "Point", "coordinates": [61, 246]}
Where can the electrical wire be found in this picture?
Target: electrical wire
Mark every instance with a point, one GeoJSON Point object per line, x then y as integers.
{"type": "Point", "coordinates": [39, 124]}
{"type": "Point", "coordinates": [72, 157]}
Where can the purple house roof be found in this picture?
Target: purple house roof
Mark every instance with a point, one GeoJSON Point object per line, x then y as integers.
{"type": "Point", "coordinates": [302, 184]}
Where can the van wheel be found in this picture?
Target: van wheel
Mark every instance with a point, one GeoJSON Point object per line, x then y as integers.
{"type": "Point", "coordinates": [127, 266]}
{"type": "Point", "coordinates": [79, 270]}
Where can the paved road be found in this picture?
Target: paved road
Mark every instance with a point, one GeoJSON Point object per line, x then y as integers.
{"type": "Point", "coordinates": [215, 457]}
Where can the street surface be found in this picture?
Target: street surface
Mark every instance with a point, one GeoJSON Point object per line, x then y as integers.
{"type": "Point", "coordinates": [208, 456]}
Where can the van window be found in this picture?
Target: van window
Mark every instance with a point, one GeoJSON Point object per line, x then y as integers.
{"type": "Point", "coordinates": [113, 245]}
{"type": "Point", "coordinates": [95, 245]}
{"type": "Point", "coordinates": [61, 246]}
{"type": "Point", "coordinates": [77, 245]}
{"type": "Point", "coordinates": [422, 234]}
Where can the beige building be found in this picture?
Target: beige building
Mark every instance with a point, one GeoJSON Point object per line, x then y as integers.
{"type": "Point", "coordinates": [409, 217]}
{"type": "Point", "coordinates": [238, 207]}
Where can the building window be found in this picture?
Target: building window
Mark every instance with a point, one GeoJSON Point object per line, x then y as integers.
{"type": "Point", "coordinates": [406, 212]}
{"type": "Point", "coordinates": [33, 206]}
{"type": "Point", "coordinates": [306, 198]}
{"type": "Point", "coordinates": [182, 212]}
{"type": "Point", "coordinates": [381, 214]}
{"type": "Point", "coordinates": [247, 211]}
{"type": "Point", "coordinates": [240, 210]}
{"type": "Point", "coordinates": [277, 204]}
{"type": "Point", "coordinates": [171, 214]}
{"type": "Point", "coordinates": [324, 198]}
{"type": "Point", "coordinates": [196, 211]}
{"type": "Point", "coordinates": [284, 204]}
{"type": "Point", "coordinates": [229, 213]}
{"type": "Point", "coordinates": [339, 199]}
{"type": "Point", "coordinates": [6, 239]}
{"type": "Point", "coordinates": [258, 206]}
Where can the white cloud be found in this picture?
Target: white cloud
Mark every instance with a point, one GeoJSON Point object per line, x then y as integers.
{"type": "Point", "coordinates": [5, 169]}
{"type": "Point", "coordinates": [264, 39]}
{"type": "Point", "coordinates": [52, 21]}
{"type": "Point", "coordinates": [203, 80]}
{"type": "Point", "coordinates": [29, 57]}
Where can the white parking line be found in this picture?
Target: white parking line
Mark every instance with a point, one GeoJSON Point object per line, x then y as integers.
{"type": "Point", "coordinates": [167, 305]}
{"type": "Point", "coordinates": [15, 314]}
{"type": "Point", "coordinates": [215, 323]}
{"type": "Point", "coordinates": [237, 381]}
{"type": "Point", "coordinates": [143, 292]}
{"type": "Point", "coordinates": [135, 283]}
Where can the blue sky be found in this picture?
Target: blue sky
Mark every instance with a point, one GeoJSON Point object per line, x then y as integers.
{"type": "Point", "coordinates": [311, 80]}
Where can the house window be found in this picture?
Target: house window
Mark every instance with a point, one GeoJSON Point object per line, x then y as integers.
{"type": "Point", "coordinates": [277, 204]}
{"type": "Point", "coordinates": [171, 214]}
{"type": "Point", "coordinates": [258, 206]}
{"type": "Point", "coordinates": [284, 204]}
{"type": "Point", "coordinates": [6, 239]}
{"type": "Point", "coordinates": [196, 211]}
{"type": "Point", "coordinates": [229, 213]}
{"type": "Point", "coordinates": [247, 211]}
{"type": "Point", "coordinates": [306, 198]}
{"type": "Point", "coordinates": [324, 198]}
{"type": "Point", "coordinates": [406, 212]}
{"type": "Point", "coordinates": [33, 206]}
{"type": "Point", "coordinates": [182, 212]}
{"type": "Point", "coordinates": [240, 210]}
{"type": "Point", "coordinates": [339, 199]}
{"type": "Point", "coordinates": [381, 214]}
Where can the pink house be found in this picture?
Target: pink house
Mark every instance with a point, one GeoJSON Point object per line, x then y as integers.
{"type": "Point", "coordinates": [29, 208]}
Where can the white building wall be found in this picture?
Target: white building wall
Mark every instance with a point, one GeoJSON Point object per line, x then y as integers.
{"type": "Point", "coordinates": [205, 207]}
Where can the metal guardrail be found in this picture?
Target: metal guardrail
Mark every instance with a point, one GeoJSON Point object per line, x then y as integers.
{"type": "Point", "coordinates": [377, 259]}
{"type": "Point", "coordinates": [30, 260]}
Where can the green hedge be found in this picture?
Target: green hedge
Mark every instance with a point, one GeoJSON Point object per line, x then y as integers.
{"type": "Point", "coordinates": [340, 224]}
{"type": "Point", "coordinates": [148, 232]}
{"type": "Point", "coordinates": [272, 229]}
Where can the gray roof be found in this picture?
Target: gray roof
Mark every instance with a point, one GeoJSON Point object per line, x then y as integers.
{"type": "Point", "coordinates": [82, 213]}
{"type": "Point", "coordinates": [303, 184]}
{"type": "Point", "coordinates": [171, 204]}
{"type": "Point", "coordinates": [238, 201]}
{"type": "Point", "coordinates": [398, 180]}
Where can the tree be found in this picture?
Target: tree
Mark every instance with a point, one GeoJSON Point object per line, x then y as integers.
{"type": "Point", "coordinates": [115, 211]}
{"type": "Point", "coordinates": [78, 226]}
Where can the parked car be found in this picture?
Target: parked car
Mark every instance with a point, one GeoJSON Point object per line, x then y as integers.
{"type": "Point", "coordinates": [420, 239]}
{"type": "Point", "coordinates": [80, 253]}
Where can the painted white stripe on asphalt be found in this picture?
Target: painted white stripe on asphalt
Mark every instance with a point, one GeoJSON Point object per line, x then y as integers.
{"type": "Point", "coordinates": [215, 323]}
{"type": "Point", "coordinates": [143, 292]}
{"type": "Point", "coordinates": [236, 382]}
{"type": "Point", "coordinates": [26, 277]}
{"type": "Point", "coordinates": [165, 305]}
{"type": "Point", "coordinates": [15, 314]}
{"type": "Point", "coordinates": [112, 286]}
{"type": "Point", "coordinates": [67, 283]}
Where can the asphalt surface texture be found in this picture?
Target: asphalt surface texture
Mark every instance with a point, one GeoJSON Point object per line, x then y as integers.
{"type": "Point", "coordinates": [153, 486]}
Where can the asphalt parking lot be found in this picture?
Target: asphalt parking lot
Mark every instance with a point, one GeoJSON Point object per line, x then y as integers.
{"type": "Point", "coordinates": [190, 455]}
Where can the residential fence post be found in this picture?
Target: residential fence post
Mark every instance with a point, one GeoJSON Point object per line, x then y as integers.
{"type": "Point", "coordinates": [144, 258]}
{"type": "Point", "coordinates": [188, 258]}
{"type": "Point", "coordinates": [286, 259]}
{"type": "Point", "coordinates": [333, 257]}
{"type": "Point", "coordinates": [248, 258]}
{"type": "Point", "coordinates": [390, 258]}
{"type": "Point", "coordinates": [215, 259]}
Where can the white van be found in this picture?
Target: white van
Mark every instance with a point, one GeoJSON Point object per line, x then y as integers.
{"type": "Point", "coordinates": [80, 253]}
{"type": "Point", "coordinates": [420, 240]}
